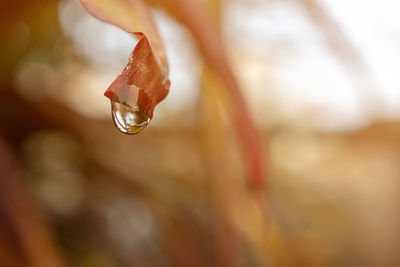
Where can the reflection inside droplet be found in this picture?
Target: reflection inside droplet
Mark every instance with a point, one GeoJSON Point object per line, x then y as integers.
{"type": "Point", "coordinates": [128, 120]}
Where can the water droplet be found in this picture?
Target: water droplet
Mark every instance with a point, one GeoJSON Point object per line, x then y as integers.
{"type": "Point", "coordinates": [127, 119]}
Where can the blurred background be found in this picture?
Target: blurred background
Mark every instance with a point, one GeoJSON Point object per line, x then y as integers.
{"type": "Point", "coordinates": [321, 79]}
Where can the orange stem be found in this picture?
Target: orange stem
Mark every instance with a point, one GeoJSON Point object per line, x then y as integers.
{"type": "Point", "coordinates": [209, 42]}
{"type": "Point", "coordinates": [33, 236]}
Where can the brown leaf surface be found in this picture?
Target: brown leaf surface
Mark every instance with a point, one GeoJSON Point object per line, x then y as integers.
{"type": "Point", "coordinates": [144, 81]}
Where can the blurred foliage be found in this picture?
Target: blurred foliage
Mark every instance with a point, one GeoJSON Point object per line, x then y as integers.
{"type": "Point", "coordinates": [75, 190]}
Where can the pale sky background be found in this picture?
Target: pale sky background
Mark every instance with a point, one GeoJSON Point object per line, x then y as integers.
{"type": "Point", "coordinates": [287, 73]}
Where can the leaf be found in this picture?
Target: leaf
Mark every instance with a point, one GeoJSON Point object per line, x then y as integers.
{"type": "Point", "coordinates": [144, 81]}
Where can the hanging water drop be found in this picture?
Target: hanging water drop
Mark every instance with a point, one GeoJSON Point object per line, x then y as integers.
{"type": "Point", "coordinates": [127, 119]}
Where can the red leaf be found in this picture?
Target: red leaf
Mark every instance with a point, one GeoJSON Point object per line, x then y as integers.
{"type": "Point", "coordinates": [144, 81]}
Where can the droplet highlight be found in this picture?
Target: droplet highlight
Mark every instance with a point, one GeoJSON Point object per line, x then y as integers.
{"type": "Point", "coordinates": [129, 120]}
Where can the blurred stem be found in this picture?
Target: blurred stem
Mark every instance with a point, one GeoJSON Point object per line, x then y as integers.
{"type": "Point", "coordinates": [223, 168]}
{"type": "Point", "coordinates": [209, 42]}
{"type": "Point", "coordinates": [8, 256]}
{"type": "Point", "coordinates": [30, 231]}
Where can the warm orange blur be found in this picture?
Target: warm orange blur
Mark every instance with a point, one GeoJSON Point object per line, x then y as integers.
{"type": "Point", "coordinates": [321, 80]}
